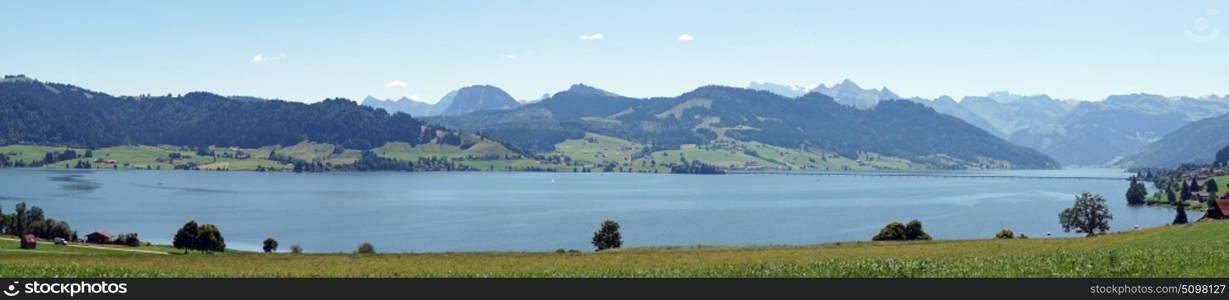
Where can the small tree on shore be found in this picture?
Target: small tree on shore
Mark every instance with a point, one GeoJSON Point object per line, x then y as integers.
{"type": "Point", "coordinates": [270, 245]}
{"type": "Point", "coordinates": [1136, 192]}
{"type": "Point", "coordinates": [914, 232]}
{"type": "Point", "coordinates": [1213, 189]}
{"type": "Point", "coordinates": [296, 249]}
{"type": "Point", "coordinates": [608, 236]}
{"type": "Point", "coordinates": [1180, 218]}
{"type": "Point", "coordinates": [21, 220]}
{"type": "Point", "coordinates": [1088, 215]}
{"type": "Point", "coordinates": [894, 231]}
{"type": "Point", "coordinates": [365, 248]}
{"type": "Point", "coordinates": [209, 239]}
{"type": "Point", "coordinates": [185, 238]}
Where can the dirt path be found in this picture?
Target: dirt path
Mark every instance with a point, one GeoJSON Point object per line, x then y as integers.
{"type": "Point", "coordinates": [98, 247]}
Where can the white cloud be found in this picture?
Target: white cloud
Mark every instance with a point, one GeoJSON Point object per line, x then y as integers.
{"type": "Point", "coordinates": [595, 36]}
{"type": "Point", "coordinates": [508, 56]}
{"type": "Point", "coordinates": [414, 97]}
{"type": "Point", "coordinates": [686, 37]}
{"type": "Point", "coordinates": [261, 58]}
{"type": "Point", "coordinates": [395, 83]}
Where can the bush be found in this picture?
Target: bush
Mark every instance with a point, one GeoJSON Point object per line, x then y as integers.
{"type": "Point", "coordinates": [129, 239]}
{"type": "Point", "coordinates": [1005, 234]}
{"type": "Point", "coordinates": [365, 248]}
{"type": "Point", "coordinates": [894, 231]}
{"type": "Point", "coordinates": [608, 236]}
{"type": "Point", "coordinates": [913, 231]}
{"type": "Point", "coordinates": [1022, 236]}
{"type": "Point", "coordinates": [296, 249]}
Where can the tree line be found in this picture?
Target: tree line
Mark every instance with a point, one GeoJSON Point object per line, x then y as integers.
{"type": "Point", "coordinates": [34, 112]}
{"type": "Point", "coordinates": [32, 220]}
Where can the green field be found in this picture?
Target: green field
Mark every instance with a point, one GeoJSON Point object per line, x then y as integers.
{"type": "Point", "coordinates": [1158, 198]}
{"type": "Point", "coordinates": [598, 149]}
{"type": "Point", "coordinates": [31, 153]}
{"type": "Point", "coordinates": [1195, 250]}
{"type": "Point", "coordinates": [739, 155]}
{"type": "Point", "coordinates": [484, 154]}
{"type": "Point", "coordinates": [139, 157]}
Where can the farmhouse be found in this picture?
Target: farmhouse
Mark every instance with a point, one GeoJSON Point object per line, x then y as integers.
{"type": "Point", "coordinates": [1219, 211]}
{"type": "Point", "coordinates": [99, 237]}
{"type": "Point", "coordinates": [1201, 196]}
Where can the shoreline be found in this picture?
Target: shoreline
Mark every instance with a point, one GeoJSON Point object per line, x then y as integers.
{"type": "Point", "coordinates": [799, 172]}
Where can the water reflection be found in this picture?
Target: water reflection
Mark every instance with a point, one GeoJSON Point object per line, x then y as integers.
{"type": "Point", "coordinates": [75, 184]}
{"type": "Point", "coordinates": [197, 190]}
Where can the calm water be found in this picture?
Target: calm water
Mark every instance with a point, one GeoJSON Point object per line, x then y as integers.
{"type": "Point", "coordinates": [543, 211]}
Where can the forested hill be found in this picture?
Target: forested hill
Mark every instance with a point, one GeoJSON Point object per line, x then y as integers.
{"type": "Point", "coordinates": [35, 112]}
{"type": "Point", "coordinates": [814, 122]}
{"type": "Point", "coordinates": [1197, 143]}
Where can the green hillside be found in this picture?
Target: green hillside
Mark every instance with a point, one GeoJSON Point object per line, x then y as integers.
{"type": "Point", "coordinates": [712, 116]}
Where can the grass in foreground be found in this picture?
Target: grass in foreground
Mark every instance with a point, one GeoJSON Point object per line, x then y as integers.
{"type": "Point", "coordinates": [1196, 250]}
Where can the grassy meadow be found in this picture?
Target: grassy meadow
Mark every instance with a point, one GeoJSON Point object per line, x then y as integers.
{"type": "Point", "coordinates": [1195, 250]}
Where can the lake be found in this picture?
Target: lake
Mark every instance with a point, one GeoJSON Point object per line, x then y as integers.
{"type": "Point", "coordinates": [494, 211]}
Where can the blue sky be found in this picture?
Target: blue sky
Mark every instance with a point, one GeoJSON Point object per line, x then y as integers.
{"type": "Point", "coordinates": [314, 50]}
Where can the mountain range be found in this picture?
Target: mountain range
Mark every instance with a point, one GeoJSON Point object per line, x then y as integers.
{"type": "Point", "coordinates": [1196, 142]}
{"type": "Point", "coordinates": [711, 116]}
{"type": "Point", "coordinates": [461, 101]}
{"type": "Point", "coordinates": [847, 92]}
{"type": "Point", "coordinates": [1072, 132]}
{"type": "Point", "coordinates": [804, 127]}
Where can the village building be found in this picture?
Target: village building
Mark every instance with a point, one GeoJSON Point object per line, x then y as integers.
{"type": "Point", "coordinates": [1201, 196]}
{"type": "Point", "coordinates": [99, 237]}
{"type": "Point", "coordinates": [1219, 211]}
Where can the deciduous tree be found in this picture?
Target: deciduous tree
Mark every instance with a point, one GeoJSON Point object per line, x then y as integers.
{"type": "Point", "coordinates": [608, 236]}
{"type": "Point", "coordinates": [185, 238]}
{"type": "Point", "coordinates": [1088, 215]}
{"type": "Point", "coordinates": [209, 239]}
{"type": "Point", "coordinates": [270, 245]}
